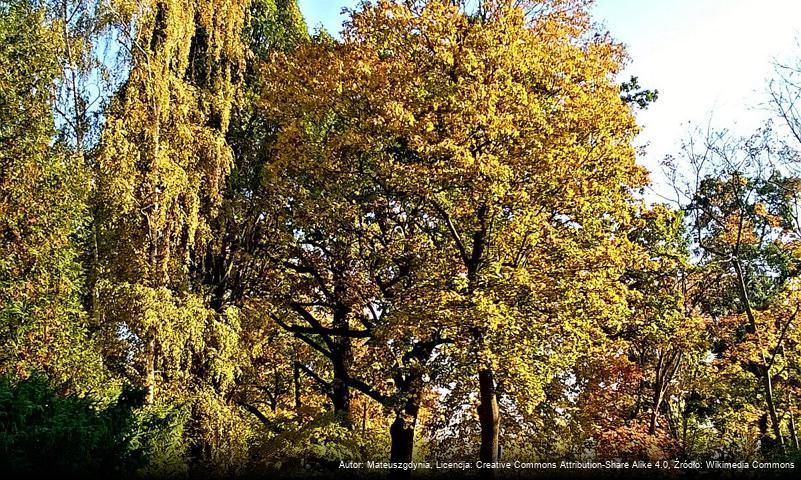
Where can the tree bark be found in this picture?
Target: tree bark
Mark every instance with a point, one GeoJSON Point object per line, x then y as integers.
{"type": "Point", "coordinates": [296, 382]}
{"type": "Point", "coordinates": [793, 431]}
{"type": "Point", "coordinates": [402, 435]}
{"type": "Point", "coordinates": [666, 369]}
{"type": "Point", "coordinates": [340, 393]}
{"type": "Point", "coordinates": [150, 370]}
{"type": "Point", "coordinates": [655, 411]}
{"type": "Point", "coordinates": [401, 431]}
{"type": "Point", "coordinates": [774, 417]}
{"type": "Point", "coordinates": [489, 417]}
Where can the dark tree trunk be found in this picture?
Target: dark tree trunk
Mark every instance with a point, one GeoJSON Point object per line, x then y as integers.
{"type": "Point", "coordinates": [489, 417]}
{"type": "Point", "coordinates": [342, 355]}
{"type": "Point", "coordinates": [766, 442]}
{"type": "Point", "coordinates": [402, 435]}
{"type": "Point", "coordinates": [655, 411]}
{"type": "Point", "coordinates": [296, 382]}
{"type": "Point", "coordinates": [401, 431]}
{"type": "Point", "coordinates": [340, 393]}
{"type": "Point", "coordinates": [793, 431]}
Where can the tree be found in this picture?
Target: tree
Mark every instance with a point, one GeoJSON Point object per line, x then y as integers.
{"type": "Point", "coordinates": [534, 196]}
{"type": "Point", "coordinates": [626, 389]}
{"type": "Point", "coordinates": [272, 251]}
{"type": "Point", "coordinates": [160, 174]}
{"type": "Point", "coordinates": [42, 213]}
{"type": "Point", "coordinates": [86, 77]}
{"type": "Point", "coordinates": [741, 209]}
{"type": "Point", "coordinates": [350, 277]}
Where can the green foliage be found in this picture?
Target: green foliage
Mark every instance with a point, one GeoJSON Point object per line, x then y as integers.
{"type": "Point", "coordinates": [159, 433]}
{"type": "Point", "coordinates": [42, 431]}
{"type": "Point", "coordinates": [43, 191]}
{"type": "Point", "coordinates": [166, 206]}
{"type": "Point", "coordinates": [275, 25]}
{"type": "Point", "coordinates": [631, 92]}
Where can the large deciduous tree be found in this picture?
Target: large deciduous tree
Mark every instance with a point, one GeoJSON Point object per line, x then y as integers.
{"type": "Point", "coordinates": [506, 126]}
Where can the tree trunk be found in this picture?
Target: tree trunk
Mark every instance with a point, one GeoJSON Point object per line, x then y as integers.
{"type": "Point", "coordinates": [341, 359]}
{"type": "Point", "coordinates": [764, 369]}
{"type": "Point", "coordinates": [657, 399]}
{"type": "Point", "coordinates": [402, 435]}
{"type": "Point", "coordinates": [150, 370]}
{"type": "Point", "coordinates": [296, 382]}
{"type": "Point", "coordinates": [793, 431]}
{"type": "Point", "coordinates": [340, 393]}
{"type": "Point", "coordinates": [655, 411]}
{"type": "Point", "coordinates": [774, 417]}
{"type": "Point", "coordinates": [402, 430]}
{"type": "Point", "coordinates": [342, 356]}
{"type": "Point", "coordinates": [489, 417]}
{"type": "Point", "coordinates": [666, 369]}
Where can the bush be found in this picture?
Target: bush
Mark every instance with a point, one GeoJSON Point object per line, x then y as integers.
{"type": "Point", "coordinates": [44, 432]}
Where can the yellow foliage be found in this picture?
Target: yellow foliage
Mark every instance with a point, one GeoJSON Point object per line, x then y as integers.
{"type": "Point", "coordinates": [511, 134]}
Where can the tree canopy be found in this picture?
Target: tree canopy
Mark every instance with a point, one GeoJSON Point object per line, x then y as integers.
{"type": "Point", "coordinates": [254, 249]}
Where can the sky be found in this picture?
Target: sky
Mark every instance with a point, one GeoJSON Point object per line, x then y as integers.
{"type": "Point", "coordinates": [710, 60]}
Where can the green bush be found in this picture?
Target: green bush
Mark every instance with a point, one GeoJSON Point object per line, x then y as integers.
{"type": "Point", "coordinates": [44, 432]}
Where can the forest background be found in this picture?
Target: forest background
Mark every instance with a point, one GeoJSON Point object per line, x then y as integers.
{"type": "Point", "coordinates": [229, 246]}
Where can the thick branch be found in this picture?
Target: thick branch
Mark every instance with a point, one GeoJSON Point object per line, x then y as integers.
{"type": "Point", "coordinates": [325, 386]}
{"type": "Point", "coordinates": [262, 418]}
{"type": "Point", "coordinates": [454, 233]}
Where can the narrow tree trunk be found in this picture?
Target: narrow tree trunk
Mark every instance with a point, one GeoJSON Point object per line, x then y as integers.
{"type": "Point", "coordinates": [489, 417]}
{"type": "Point", "coordinates": [793, 431]}
{"type": "Point", "coordinates": [774, 417]}
{"type": "Point", "coordinates": [765, 442]}
{"type": "Point", "coordinates": [658, 389]}
{"type": "Point", "coordinates": [666, 370]}
{"type": "Point", "coordinates": [655, 411]}
{"type": "Point", "coordinates": [364, 420]}
{"type": "Point", "coordinates": [296, 382]}
{"type": "Point", "coordinates": [150, 370]}
{"type": "Point", "coordinates": [638, 404]}
{"type": "Point", "coordinates": [764, 369]}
